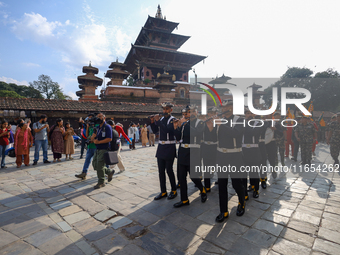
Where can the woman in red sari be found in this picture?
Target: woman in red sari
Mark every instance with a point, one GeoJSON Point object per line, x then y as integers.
{"type": "Point", "coordinates": [23, 141]}
{"type": "Point", "coordinates": [56, 136]}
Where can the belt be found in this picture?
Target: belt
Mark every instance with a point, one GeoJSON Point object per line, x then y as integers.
{"type": "Point", "coordinates": [225, 150]}
{"type": "Point", "coordinates": [166, 142]}
{"type": "Point", "coordinates": [209, 142]}
{"type": "Point", "coordinates": [250, 145]}
{"type": "Point", "coordinates": [187, 145]}
{"type": "Point", "coordinates": [261, 140]}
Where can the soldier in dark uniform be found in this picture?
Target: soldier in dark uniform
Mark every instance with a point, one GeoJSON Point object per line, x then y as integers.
{"type": "Point", "coordinates": [184, 115]}
{"type": "Point", "coordinates": [333, 119]}
{"type": "Point", "coordinates": [280, 135]}
{"type": "Point", "coordinates": [251, 152]}
{"type": "Point", "coordinates": [334, 139]}
{"type": "Point", "coordinates": [209, 147]}
{"type": "Point", "coordinates": [262, 146]}
{"type": "Point", "coordinates": [271, 147]}
{"type": "Point", "coordinates": [166, 151]}
{"type": "Point", "coordinates": [305, 133]}
{"type": "Point", "coordinates": [295, 141]}
{"type": "Point", "coordinates": [229, 154]}
{"type": "Point", "coordinates": [189, 132]}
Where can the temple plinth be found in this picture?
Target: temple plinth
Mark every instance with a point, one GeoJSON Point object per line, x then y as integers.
{"type": "Point", "coordinates": [88, 84]}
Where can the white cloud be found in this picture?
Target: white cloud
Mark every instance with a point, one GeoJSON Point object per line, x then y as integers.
{"type": "Point", "coordinates": [35, 27]}
{"type": "Point", "coordinates": [73, 95]}
{"type": "Point", "coordinates": [11, 80]}
{"type": "Point", "coordinates": [77, 43]}
{"type": "Point", "coordinates": [31, 65]}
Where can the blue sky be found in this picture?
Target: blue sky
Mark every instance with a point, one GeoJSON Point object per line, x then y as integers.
{"type": "Point", "coordinates": [241, 38]}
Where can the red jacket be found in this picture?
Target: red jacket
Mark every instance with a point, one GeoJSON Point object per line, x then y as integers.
{"type": "Point", "coordinates": [120, 131]}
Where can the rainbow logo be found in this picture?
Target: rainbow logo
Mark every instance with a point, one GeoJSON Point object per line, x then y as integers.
{"type": "Point", "coordinates": [208, 92]}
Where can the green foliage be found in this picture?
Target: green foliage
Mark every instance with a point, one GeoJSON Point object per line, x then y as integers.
{"type": "Point", "coordinates": [130, 81]}
{"type": "Point", "coordinates": [10, 93]}
{"type": "Point", "coordinates": [21, 90]}
{"type": "Point", "coordinates": [146, 81]}
{"type": "Point", "coordinates": [49, 88]}
{"type": "Point", "coordinates": [324, 87]}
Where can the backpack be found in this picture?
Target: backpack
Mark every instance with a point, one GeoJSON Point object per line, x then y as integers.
{"type": "Point", "coordinates": [114, 144]}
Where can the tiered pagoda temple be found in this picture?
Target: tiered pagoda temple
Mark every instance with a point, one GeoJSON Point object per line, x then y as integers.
{"type": "Point", "coordinates": [156, 47]}
{"type": "Point", "coordinates": [88, 84]}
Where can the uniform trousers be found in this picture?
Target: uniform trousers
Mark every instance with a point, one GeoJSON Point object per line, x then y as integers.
{"type": "Point", "coordinates": [335, 150]}
{"type": "Point", "coordinates": [168, 166]}
{"type": "Point", "coordinates": [183, 172]}
{"type": "Point", "coordinates": [223, 192]}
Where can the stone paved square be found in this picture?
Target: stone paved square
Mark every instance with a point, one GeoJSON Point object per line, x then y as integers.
{"type": "Point", "coordinates": [295, 214]}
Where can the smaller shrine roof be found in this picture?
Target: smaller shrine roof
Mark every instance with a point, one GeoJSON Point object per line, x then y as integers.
{"type": "Point", "coordinates": [90, 69]}
{"type": "Point", "coordinates": [220, 80]}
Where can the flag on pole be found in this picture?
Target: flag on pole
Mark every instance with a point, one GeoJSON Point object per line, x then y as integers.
{"type": "Point", "coordinates": [289, 114]}
{"type": "Point", "coordinates": [311, 108]}
{"type": "Point", "coordinates": [321, 121]}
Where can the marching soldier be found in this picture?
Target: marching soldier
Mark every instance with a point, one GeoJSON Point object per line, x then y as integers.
{"type": "Point", "coordinates": [262, 146]}
{"type": "Point", "coordinates": [280, 135]}
{"type": "Point", "coordinates": [295, 141]}
{"type": "Point", "coordinates": [334, 139]}
{"type": "Point", "coordinates": [166, 151]}
{"type": "Point", "coordinates": [189, 132]}
{"type": "Point", "coordinates": [251, 152]}
{"type": "Point", "coordinates": [305, 134]}
{"type": "Point", "coordinates": [229, 153]}
{"type": "Point", "coordinates": [209, 147]}
{"type": "Point", "coordinates": [333, 119]}
{"type": "Point", "coordinates": [271, 145]}
{"type": "Point", "coordinates": [184, 115]}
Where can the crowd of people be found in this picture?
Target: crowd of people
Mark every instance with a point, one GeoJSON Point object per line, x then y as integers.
{"type": "Point", "coordinates": [241, 146]}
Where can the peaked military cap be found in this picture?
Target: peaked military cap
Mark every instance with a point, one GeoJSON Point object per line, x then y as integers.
{"type": "Point", "coordinates": [226, 102]}
{"type": "Point", "coordinates": [184, 110]}
{"type": "Point", "coordinates": [213, 109]}
{"type": "Point", "coordinates": [167, 104]}
{"type": "Point", "coordinates": [246, 109]}
{"type": "Point", "coordinates": [191, 107]}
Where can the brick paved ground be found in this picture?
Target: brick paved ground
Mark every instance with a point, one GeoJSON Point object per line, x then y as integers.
{"type": "Point", "coordinates": [44, 209]}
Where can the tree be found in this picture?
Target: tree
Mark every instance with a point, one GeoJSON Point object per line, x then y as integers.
{"type": "Point", "coordinates": [130, 81]}
{"type": "Point", "coordinates": [49, 88]}
{"type": "Point", "coordinates": [293, 77]}
{"type": "Point", "coordinates": [21, 90]}
{"type": "Point", "coordinates": [9, 93]}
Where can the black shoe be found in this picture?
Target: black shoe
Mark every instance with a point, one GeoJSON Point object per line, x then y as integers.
{"type": "Point", "coordinates": [47, 162]}
{"type": "Point", "coordinates": [221, 217]}
{"type": "Point", "coordinates": [263, 184]}
{"type": "Point", "coordinates": [240, 209]}
{"type": "Point", "coordinates": [256, 194]}
{"type": "Point", "coordinates": [81, 157]}
{"type": "Point", "coordinates": [153, 145]}
{"type": "Point", "coordinates": [178, 186]}
{"type": "Point", "coordinates": [35, 163]}
{"type": "Point", "coordinates": [246, 198]}
{"type": "Point", "coordinates": [294, 159]}
{"type": "Point", "coordinates": [204, 197]}
{"type": "Point", "coordinates": [180, 204]}
{"type": "Point", "coordinates": [109, 176]}
{"type": "Point", "coordinates": [160, 196]}
{"type": "Point", "coordinates": [99, 185]}
{"type": "Point", "coordinates": [216, 183]}
{"type": "Point", "coordinates": [172, 195]}
{"type": "Point", "coordinates": [336, 162]}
